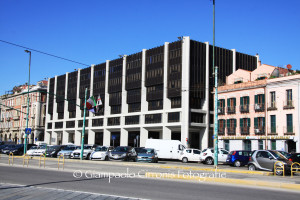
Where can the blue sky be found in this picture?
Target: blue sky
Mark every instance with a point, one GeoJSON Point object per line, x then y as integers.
{"type": "Point", "coordinates": [94, 31]}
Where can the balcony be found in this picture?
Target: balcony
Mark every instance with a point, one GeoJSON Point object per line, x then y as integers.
{"type": "Point", "coordinates": [231, 110]}
{"type": "Point", "coordinates": [272, 106]}
{"type": "Point", "coordinates": [221, 131]}
{"type": "Point", "coordinates": [289, 104]}
{"type": "Point", "coordinates": [259, 107]}
{"type": "Point", "coordinates": [272, 130]}
{"type": "Point", "coordinates": [231, 130]}
{"type": "Point", "coordinates": [221, 111]}
{"type": "Point", "coordinates": [289, 130]}
{"type": "Point", "coordinates": [244, 108]}
{"type": "Point", "coordinates": [259, 130]}
{"type": "Point", "coordinates": [245, 130]}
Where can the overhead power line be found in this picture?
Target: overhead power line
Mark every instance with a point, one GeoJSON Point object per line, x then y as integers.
{"type": "Point", "coordinates": [48, 54]}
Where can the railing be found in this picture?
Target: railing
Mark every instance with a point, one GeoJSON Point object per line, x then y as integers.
{"type": "Point", "coordinates": [259, 130]}
{"type": "Point", "coordinates": [231, 109]}
{"type": "Point", "coordinates": [231, 130]}
{"type": "Point", "coordinates": [244, 108]}
{"type": "Point", "coordinates": [221, 131]}
{"type": "Point", "coordinates": [272, 130]}
{"type": "Point", "coordinates": [221, 110]}
{"type": "Point", "coordinates": [61, 162]}
{"type": "Point", "coordinates": [272, 106]}
{"type": "Point", "coordinates": [295, 169]}
{"type": "Point", "coordinates": [245, 130]}
{"type": "Point", "coordinates": [279, 168]}
{"type": "Point", "coordinates": [289, 130]}
{"type": "Point", "coordinates": [289, 104]}
{"type": "Point", "coordinates": [259, 107]}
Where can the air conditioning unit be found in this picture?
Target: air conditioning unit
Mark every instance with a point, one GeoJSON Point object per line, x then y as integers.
{"type": "Point", "coordinates": [257, 106]}
{"type": "Point", "coordinates": [256, 130]}
{"type": "Point", "coordinates": [219, 110]}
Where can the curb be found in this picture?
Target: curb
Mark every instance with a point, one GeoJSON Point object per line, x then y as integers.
{"type": "Point", "coordinates": [224, 180]}
{"type": "Point", "coordinates": [150, 165]}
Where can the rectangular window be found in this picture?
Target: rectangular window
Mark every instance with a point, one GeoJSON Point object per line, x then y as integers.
{"type": "Point", "coordinates": [259, 105]}
{"type": "Point", "coordinates": [273, 123]}
{"type": "Point", "coordinates": [273, 144]}
{"type": "Point", "coordinates": [226, 145]}
{"type": "Point", "coordinates": [247, 145]}
{"type": "Point", "coordinates": [231, 103]}
{"type": "Point", "coordinates": [260, 144]}
{"type": "Point", "coordinates": [289, 123]}
{"type": "Point", "coordinates": [273, 99]}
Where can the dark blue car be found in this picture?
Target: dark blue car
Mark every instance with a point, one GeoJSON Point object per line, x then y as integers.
{"type": "Point", "coordinates": [238, 158]}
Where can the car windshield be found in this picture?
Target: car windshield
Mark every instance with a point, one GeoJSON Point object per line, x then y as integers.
{"type": "Point", "coordinates": [87, 147]}
{"type": "Point", "coordinates": [286, 154]}
{"type": "Point", "coordinates": [120, 149]}
{"type": "Point", "coordinates": [101, 149]}
{"type": "Point", "coordinates": [33, 148]}
{"type": "Point", "coordinates": [42, 147]}
{"type": "Point", "coordinates": [68, 148]}
{"type": "Point", "coordinates": [53, 148]}
{"type": "Point", "coordinates": [277, 154]}
{"type": "Point", "coordinates": [149, 151]}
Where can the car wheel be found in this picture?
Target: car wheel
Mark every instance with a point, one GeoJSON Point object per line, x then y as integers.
{"type": "Point", "coordinates": [251, 168]}
{"type": "Point", "coordinates": [184, 160]}
{"type": "Point", "coordinates": [88, 157]}
{"type": "Point", "coordinates": [237, 163]}
{"type": "Point", "coordinates": [209, 161]}
{"type": "Point", "coordinates": [106, 158]}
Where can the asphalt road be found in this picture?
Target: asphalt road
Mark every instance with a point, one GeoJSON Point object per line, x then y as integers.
{"type": "Point", "coordinates": [135, 187]}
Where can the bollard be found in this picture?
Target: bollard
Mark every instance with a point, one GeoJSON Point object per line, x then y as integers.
{"type": "Point", "coordinates": [43, 155]}
{"type": "Point", "coordinates": [11, 158]}
{"type": "Point", "coordinates": [295, 169]}
{"type": "Point", "coordinates": [280, 168]}
{"type": "Point", "coordinates": [63, 161]}
{"type": "Point", "coordinates": [25, 157]}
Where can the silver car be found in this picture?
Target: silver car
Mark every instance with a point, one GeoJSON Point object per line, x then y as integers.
{"type": "Point", "coordinates": [266, 159]}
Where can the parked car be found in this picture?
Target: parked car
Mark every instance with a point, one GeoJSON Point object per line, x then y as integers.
{"type": "Point", "coordinates": [166, 149]}
{"type": "Point", "coordinates": [101, 153]}
{"type": "Point", "coordinates": [7, 149]}
{"type": "Point", "coordinates": [295, 157]}
{"type": "Point", "coordinates": [266, 159]}
{"type": "Point", "coordinates": [147, 155]}
{"type": "Point", "coordinates": [66, 152]}
{"type": "Point", "coordinates": [87, 150]}
{"type": "Point", "coordinates": [2, 147]}
{"type": "Point", "coordinates": [207, 156]}
{"type": "Point", "coordinates": [32, 150]}
{"type": "Point", "coordinates": [138, 149]}
{"type": "Point", "coordinates": [19, 149]}
{"type": "Point", "coordinates": [286, 154]}
{"type": "Point", "coordinates": [40, 150]}
{"type": "Point", "coordinates": [125, 153]}
{"type": "Point", "coordinates": [238, 158]}
{"type": "Point", "coordinates": [192, 155]}
{"type": "Point", "coordinates": [52, 151]}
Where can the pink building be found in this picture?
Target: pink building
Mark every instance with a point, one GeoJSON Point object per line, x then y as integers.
{"type": "Point", "coordinates": [251, 117]}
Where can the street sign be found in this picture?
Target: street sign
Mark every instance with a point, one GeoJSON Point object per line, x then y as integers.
{"type": "Point", "coordinates": [27, 131]}
{"type": "Point", "coordinates": [113, 137]}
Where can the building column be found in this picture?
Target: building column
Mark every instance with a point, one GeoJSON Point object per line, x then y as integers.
{"type": "Point", "coordinates": [91, 137]}
{"type": "Point", "coordinates": [65, 137]}
{"type": "Point", "coordinates": [54, 138]}
{"type": "Point", "coordinates": [78, 111]}
{"type": "Point", "coordinates": [106, 103]}
{"type": "Point", "coordinates": [124, 106]}
{"type": "Point", "coordinates": [167, 133]}
{"type": "Point", "coordinates": [55, 115]}
{"type": "Point", "coordinates": [204, 137]}
{"type": "Point", "coordinates": [47, 137]}
{"type": "Point", "coordinates": [233, 60]}
{"type": "Point", "coordinates": [77, 138]}
{"type": "Point", "coordinates": [66, 110]}
{"type": "Point", "coordinates": [106, 137]}
{"type": "Point", "coordinates": [143, 136]}
{"type": "Point", "coordinates": [166, 101]}
{"type": "Point", "coordinates": [123, 137]}
{"type": "Point", "coordinates": [144, 103]}
{"type": "Point", "coordinates": [185, 93]}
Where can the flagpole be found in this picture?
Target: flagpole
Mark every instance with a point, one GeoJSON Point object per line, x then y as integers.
{"type": "Point", "coordinates": [83, 126]}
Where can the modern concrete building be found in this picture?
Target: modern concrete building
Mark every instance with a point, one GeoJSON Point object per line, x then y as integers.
{"type": "Point", "coordinates": [259, 110]}
{"type": "Point", "coordinates": [163, 92]}
{"type": "Point", "coordinates": [14, 113]}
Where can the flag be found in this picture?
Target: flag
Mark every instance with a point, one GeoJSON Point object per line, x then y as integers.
{"type": "Point", "coordinates": [93, 105]}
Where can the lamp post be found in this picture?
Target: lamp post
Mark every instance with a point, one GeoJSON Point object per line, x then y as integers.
{"type": "Point", "coordinates": [215, 72]}
{"type": "Point", "coordinates": [28, 84]}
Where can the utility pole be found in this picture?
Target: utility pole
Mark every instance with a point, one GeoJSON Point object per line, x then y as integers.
{"type": "Point", "coordinates": [83, 125]}
{"type": "Point", "coordinates": [28, 84]}
{"type": "Point", "coordinates": [215, 72]}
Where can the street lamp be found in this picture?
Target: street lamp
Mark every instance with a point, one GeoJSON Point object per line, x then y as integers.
{"type": "Point", "coordinates": [28, 84]}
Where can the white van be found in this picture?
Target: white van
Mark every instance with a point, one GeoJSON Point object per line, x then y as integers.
{"type": "Point", "coordinates": [166, 149]}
